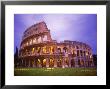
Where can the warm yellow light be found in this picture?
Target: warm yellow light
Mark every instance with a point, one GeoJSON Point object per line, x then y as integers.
{"type": "Point", "coordinates": [51, 60]}
{"type": "Point", "coordinates": [38, 60]}
{"type": "Point", "coordinates": [44, 49]}
{"type": "Point", "coordinates": [44, 60]}
{"type": "Point", "coordinates": [38, 49]}
{"type": "Point", "coordinates": [32, 62]}
{"type": "Point", "coordinates": [32, 49]}
{"type": "Point", "coordinates": [51, 48]}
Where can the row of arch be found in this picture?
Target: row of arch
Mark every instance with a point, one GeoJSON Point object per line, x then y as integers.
{"type": "Point", "coordinates": [54, 63]}
{"type": "Point", "coordinates": [53, 50]}
{"type": "Point", "coordinates": [35, 40]}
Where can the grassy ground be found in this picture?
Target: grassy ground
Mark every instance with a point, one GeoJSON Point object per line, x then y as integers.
{"type": "Point", "coordinates": [55, 72]}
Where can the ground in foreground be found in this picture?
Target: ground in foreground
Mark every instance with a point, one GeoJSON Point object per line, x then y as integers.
{"type": "Point", "coordinates": [55, 72]}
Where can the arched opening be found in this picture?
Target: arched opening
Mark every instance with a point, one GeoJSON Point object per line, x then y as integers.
{"type": "Point", "coordinates": [86, 63]}
{"type": "Point", "coordinates": [38, 49]}
{"type": "Point", "coordinates": [33, 51]}
{"type": "Point", "coordinates": [82, 63]}
{"type": "Point", "coordinates": [66, 62]}
{"type": "Point", "coordinates": [59, 63]}
{"type": "Point", "coordinates": [44, 49]}
{"type": "Point", "coordinates": [44, 63]}
{"type": "Point", "coordinates": [39, 40]}
{"type": "Point", "coordinates": [79, 62]}
{"type": "Point", "coordinates": [51, 63]}
{"type": "Point", "coordinates": [78, 53]}
{"type": "Point", "coordinates": [36, 62]}
{"type": "Point", "coordinates": [77, 47]}
{"type": "Point", "coordinates": [31, 63]}
{"type": "Point", "coordinates": [65, 49]}
{"type": "Point", "coordinates": [39, 63]}
{"type": "Point", "coordinates": [91, 63]}
{"type": "Point", "coordinates": [59, 50]}
{"type": "Point", "coordinates": [74, 53]}
{"type": "Point", "coordinates": [81, 53]}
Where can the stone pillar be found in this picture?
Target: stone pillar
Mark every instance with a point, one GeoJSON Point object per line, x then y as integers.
{"type": "Point", "coordinates": [55, 62]}
{"type": "Point", "coordinates": [79, 53]}
{"type": "Point", "coordinates": [22, 62]}
{"type": "Point", "coordinates": [47, 62]}
{"type": "Point", "coordinates": [28, 63]}
{"type": "Point", "coordinates": [36, 40]}
{"type": "Point", "coordinates": [69, 62]}
{"type": "Point", "coordinates": [84, 63]}
{"type": "Point", "coordinates": [34, 63]}
{"type": "Point", "coordinates": [63, 62]}
{"type": "Point", "coordinates": [76, 62]}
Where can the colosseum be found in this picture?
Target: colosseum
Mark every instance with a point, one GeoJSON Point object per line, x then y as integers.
{"type": "Point", "coordinates": [38, 49]}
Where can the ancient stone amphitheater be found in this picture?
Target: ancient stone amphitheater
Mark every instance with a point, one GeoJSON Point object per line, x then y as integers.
{"type": "Point", "coordinates": [38, 49]}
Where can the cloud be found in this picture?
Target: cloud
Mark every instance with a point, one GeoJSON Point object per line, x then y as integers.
{"type": "Point", "coordinates": [79, 27]}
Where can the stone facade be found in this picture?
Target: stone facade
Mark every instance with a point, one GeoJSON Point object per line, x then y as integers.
{"type": "Point", "coordinates": [38, 49]}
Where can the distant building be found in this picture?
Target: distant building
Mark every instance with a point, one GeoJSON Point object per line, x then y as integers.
{"type": "Point", "coordinates": [38, 49]}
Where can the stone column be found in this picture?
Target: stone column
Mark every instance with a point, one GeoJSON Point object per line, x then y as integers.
{"type": "Point", "coordinates": [28, 63]}
{"type": "Point", "coordinates": [84, 63]}
{"type": "Point", "coordinates": [76, 62]}
{"type": "Point", "coordinates": [63, 62]}
{"type": "Point", "coordinates": [31, 63]}
{"type": "Point", "coordinates": [34, 63]}
{"type": "Point", "coordinates": [47, 62]}
{"type": "Point", "coordinates": [55, 62]}
{"type": "Point", "coordinates": [36, 40]}
{"type": "Point", "coordinates": [79, 53]}
{"type": "Point", "coordinates": [21, 63]}
{"type": "Point", "coordinates": [69, 62]}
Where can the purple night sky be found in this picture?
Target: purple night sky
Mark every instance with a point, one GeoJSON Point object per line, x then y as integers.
{"type": "Point", "coordinates": [74, 27]}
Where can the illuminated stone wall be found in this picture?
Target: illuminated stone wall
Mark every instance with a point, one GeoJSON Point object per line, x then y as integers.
{"type": "Point", "coordinates": [37, 49]}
